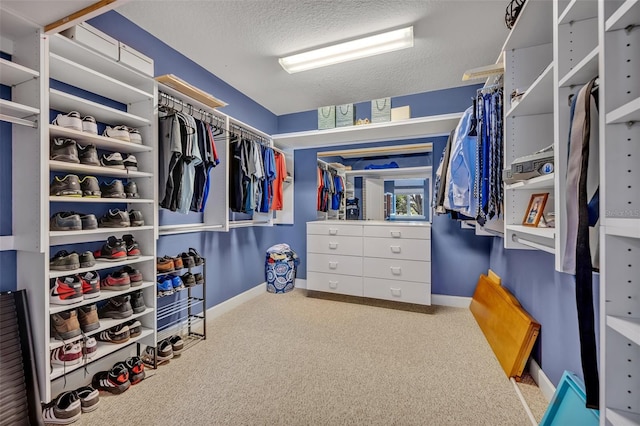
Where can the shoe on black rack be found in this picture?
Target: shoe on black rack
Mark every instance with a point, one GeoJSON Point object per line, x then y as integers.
{"type": "Point", "coordinates": [71, 120]}
{"type": "Point", "coordinates": [68, 186]}
{"type": "Point", "coordinates": [135, 217]}
{"type": "Point", "coordinates": [65, 221]}
{"type": "Point", "coordinates": [63, 410]}
{"type": "Point", "coordinates": [64, 149]}
{"type": "Point", "coordinates": [165, 353]}
{"type": "Point", "coordinates": [116, 335]}
{"type": "Point", "coordinates": [137, 302]}
{"type": "Point", "coordinates": [88, 155]}
{"type": "Point", "coordinates": [114, 381]}
{"type": "Point", "coordinates": [177, 344]}
{"type": "Point", "coordinates": [90, 187]}
{"type": "Point", "coordinates": [136, 369]}
{"type": "Point", "coordinates": [115, 218]}
{"type": "Point", "coordinates": [187, 260]}
{"type": "Point", "coordinates": [64, 261]}
{"type": "Point", "coordinates": [89, 398]}
{"type": "Point", "coordinates": [196, 256]}
{"type": "Point", "coordinates": [199, 278]}
{"type": "Point", "coordinates": [131, 190]}
{"type": "Point", "coordinates": [113, 189]}
{"type": "Point", "coordinates": [188, 279]}
{"type": "Point", "coordinates": [113, 160]}
{"type": "Point", "coordinates": [118, 307]}
{"type": "Point", "coordinates": [112, 251]}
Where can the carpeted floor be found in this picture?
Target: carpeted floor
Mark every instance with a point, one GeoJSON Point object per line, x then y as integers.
{"type": "Point", "coordinates": [296, 360]}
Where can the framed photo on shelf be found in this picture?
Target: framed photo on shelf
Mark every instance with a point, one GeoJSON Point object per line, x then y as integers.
{"type": "Point", "coordinates": [535, 209]}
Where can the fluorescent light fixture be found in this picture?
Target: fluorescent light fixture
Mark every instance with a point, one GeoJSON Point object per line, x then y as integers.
{"type": "Point", "coordinates": [483, 72]}
{"type": "Point", "coordinates": [348, 51]}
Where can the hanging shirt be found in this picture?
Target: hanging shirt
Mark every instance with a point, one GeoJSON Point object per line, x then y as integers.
{"type": "Point", "coordinates": [278, 184]}
{"type": "Point", "coordinates": [170, 155]}
{"type": "Point", "coordinates": [269, 177]}
{"type": "Point", "coordinates": [336, 199]}
{"type": "Point", "coordinates": [462, 169]}
{"type": "Point", "coordinates": [191, 159]}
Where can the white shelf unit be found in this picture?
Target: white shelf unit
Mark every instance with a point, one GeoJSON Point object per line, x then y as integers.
{"type": "Point", "coordinates": [528, 124]}
{"type": "Point", "coordinates": [619, 79]}
{"type": "Point", "coordinates": [68, 62]}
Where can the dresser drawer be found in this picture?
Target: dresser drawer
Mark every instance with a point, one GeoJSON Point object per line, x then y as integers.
{"type": "Point", "coordinates": [397, 248]}
{"type": "Point", "coordinates": [398, 232]}
{"type": "Point", "coordinates": [395, 269]}
{"type": "Point", "coordinates": [399, 291]}
{"type": "Point", "coordinates": [334, 264]}
{"type": "Point", "coordinates": [325, 228]}
{"type": "Point", "coordinates": [329, 244]}
{"type": "Point", "coordinates": [334, 283]}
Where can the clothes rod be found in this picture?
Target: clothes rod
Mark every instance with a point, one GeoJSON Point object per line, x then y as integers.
{"type": "Point", "coordinates": [532, 244]}
{"type": "Point", "coordinates": [170, 102]}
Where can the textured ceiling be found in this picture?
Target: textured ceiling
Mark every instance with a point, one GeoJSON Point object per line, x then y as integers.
{"type": "Point", "coordinates": [250, 35]}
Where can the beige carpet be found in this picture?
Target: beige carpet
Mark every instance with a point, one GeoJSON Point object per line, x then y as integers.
{"type": "Point", "coordinates": [296, 360]}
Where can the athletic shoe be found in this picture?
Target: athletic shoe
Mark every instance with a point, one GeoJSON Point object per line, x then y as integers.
{"type": "Point", "coordinates": [130, 162]}
{"type": "Point", "coordinates": [68, 186]}
{"type": "Point", "coordinates": [164, 353]}
{"type": "Point", "coordinates": [137, 302]}
{"type": "Point", "coordinates": [196, 256]}
{"type": "Point", "coordinates": [89, 220]}
{"type": "Point", "coordinates": [114, 381]}
{"type": "Point", "coordinates": [63, 410]}
{"type": "Point", "coordinates": [188, 279]}
{"type": "Point", "coordinates": [89, 347]}
{"type": "Point", "coordinates": [113, 160]}
{"type": "Point", "coordinates": [135, 276]}
{"type": "Point", "coordinates": [135, 217]}
{"type": "Point", "coordinates": [118, 307]}
{"type": "Point", "coordinates": [64, 261]}
{"type": "Point", "coordinates": [71, 120]}
{"type": "Point", "coordinates": [177, 262]}
{"type": "Point", "coordinates": [88, 318]}
{"type": "Point", "coordinates": [118, 132]}
{"type": "Point", "coordinates": [65, 290]}
{"type": "Point", "coordinates": [199, 278]}
{"type": "Point", "coordinates": [113, 250]}
{"type": "Point", "coordinates": [89, 125]}
{"type": "Point", "coordinates": [88, 155]}
{"type": "Point", "coordinates": [116, 281]}
{"type": "Point", "coordinates": [133, 251]}
{"type": "Point", "coordinates": [65, 221]}
{"type": "Point", "coordinates": [131, 190]}
{"type": "Point", "coordinates": [69, 354]}
{"type": "Point", "coordinates": [86, 259]}
{"type": "Point", "coordinates": [164, 264]}
{"type": "Point", "coordinates": [113, 189]}
{"type": "Point", "coordinates": [115, 218]}
{"type": "Point", "coordinates": [165, 287]}
{"type": "Point", "coordinates": [135, 328]}
{"type": "Point", "coordinates": [177, 344]}
{"type": "Point", "coordinates": [187, 260]}
{"type": "Point", "coordinates": [136, 369]}
{"type": "Point", "coordinates": [177, 283]}
{"type": "Point", "coordinates": [90, 284]}
{"type": "Point", "coordinates": [116, 335]}
{"type": "Point", "coordinates": [89, 398]}
{"type": "Point", "coordinates": [65, 325]}
{"type": "Point", "coordinates": [135, 136]}
{"type": "Point", "coordinates": [90, 187]}
{"type": "Point", "coordinates": [64, 149]}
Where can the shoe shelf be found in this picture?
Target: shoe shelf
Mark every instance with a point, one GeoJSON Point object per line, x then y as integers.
{"type": "Point", "coordinates": [627, 14]}
{"type": "Point", "coordinates": [63, 166]}
{"type": "Point", "coordinates": [12, 74]}
{"type": "Point", "coordinates": [178, 306]}
{"type": "Point", "coordinates": [626, 113]}
{"type": "Point", "coordinates": [55, 199]}
{"type": "Point", "coordinates": [102, 142]}
{"type": "Point", "coordinates": [177, 291]}
{"type": "Point", "coordinates": [627, 327]}
{"type": "Point", "coordinates": [104, 295]}
{"type": "Point", "coordinates": [66, 102]}
{"type": "Point", "coordinates": [103, 350]}
{"type": "Point", "coordinates": [57, 238]}
{"type": "Point", "coordinates": [180, 271]}
{"type": "Point", "coordinates": [540, 182]}
{"type": "Point", "coordinates": [622, 418]}
{"type": "Point", "coordinates": [623, 227]}
{"type": "Point", "coordinates": [101, 264]}
{"type": "Point", "coordinates": [538, 99]}
{"type": "Point", "coordinates": [583, 72]}
{"type": "Point", "coordinates": [69, 72]}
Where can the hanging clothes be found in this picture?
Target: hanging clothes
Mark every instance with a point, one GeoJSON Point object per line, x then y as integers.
{"type": "Point", "coordinates": [278, 183]}
{"type": "Point", "coordinates": [211, 161]}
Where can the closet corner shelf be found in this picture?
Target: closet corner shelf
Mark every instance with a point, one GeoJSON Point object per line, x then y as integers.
{"type": "Point", "coordinates": [7, 242]}
{"type": "Point", "coordinates": [84, 236]}
{"type": "Point", "coordinates": [104, 295]}
{"type": "Point", "coordinates": [538, 99]}
{"type": "Point", "coordinates": [579, 10]}
{"type": "Point", "coordinates": [55, 199]}
{"type": "Point", "coordinates": [533, 27]}
{"type": "Point", "coordinates": [546, 181]}
{"type": "Point", "coordinates": [62, 166]}
{"type": "Point", "coordinates": [103, 142]}
{"type": "Point", "coordinates": [12, 74]}
{"type": "Point", "coordinates": [626, 113]}
{"type": "Point", "coordinates": [627, 14]}
{"type": "Point", "coordinates": [584, 71]}
{"type": "Point", "coordinates": [182, 87]}
{"type": "Point", "coordinates": [622, 418]}
{"type": "Point", "coordinates": [628, 327]}
{"type": "Point", "coordinates": [101, 264]}
{"type": "Point", "coordinates": [623, 227]}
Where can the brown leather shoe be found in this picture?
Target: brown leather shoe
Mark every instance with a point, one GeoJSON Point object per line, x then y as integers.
{"type": "Point", "coordinates": [88, 318]}
{"type": "Point", "coordinates": [177, 261]}
{"type": "Point", "coordinates": [65, 325]}
{"type": "Point", "coordinates": [165, 264]}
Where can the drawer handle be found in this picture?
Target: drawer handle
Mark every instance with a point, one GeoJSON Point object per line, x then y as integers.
{"type": "Point", "coordinates": [333, 231]}
{"type": "Point", "coordinates": [333, 265]}
{"type": "Point", "coordinates": [333, 284]}
{"type": "Point", "coordinates": [396, 270]}
{"type": "Point", "coordinates": [396, 292]}
{"type": "Point", "coordinates": [396, 234]}
{"type": "Point", "coordinates": [333, 246]}
{"type": "Point", "coordinates": [395, 249]}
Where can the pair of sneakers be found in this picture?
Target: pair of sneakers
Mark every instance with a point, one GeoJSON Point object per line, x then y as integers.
{"type": "Point", "coordinates": [120, 377]}
{"type": "Point", "coordinates": [67, 407]}
{"type": "Point", "coordinates": [73, 120]}
{"type": "Point", "coordinates": [73, 353]}
{"type": "Point", "coordinates": [123, 133]}
{"type": "Point", "coordinates": [167, 349]}
{"type": "Point", "coordinates": [169, 284]}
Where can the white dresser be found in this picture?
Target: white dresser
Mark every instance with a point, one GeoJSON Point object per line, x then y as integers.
{"type": "Point", "coordinates": [376, 259]}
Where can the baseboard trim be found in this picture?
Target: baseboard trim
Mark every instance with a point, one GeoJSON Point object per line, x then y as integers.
{"type": "Point", "coordinates": [301, 283]}
{"type": "Point", "coordinates": [235, 301]}
{"type": "Point", "coordinates": [453, 301]}
{"type": "Point", "coordinates": [541, 379]}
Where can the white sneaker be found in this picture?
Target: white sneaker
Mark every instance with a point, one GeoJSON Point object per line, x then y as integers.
{"type": "Point", "coordinates": [118, 132]}
{"type": "Point", "coordinates": [69, 354]}
{"type": "Point", "coordinates": [89, 125]}
{"type": "Point", "coordinates": [135, 136]}
{"type": "Point", "coordinates": [113, 160]}
{"type": "Point", "coordinates": [130, 162]}
{"type": "Point", "coordinates": [71, 120]}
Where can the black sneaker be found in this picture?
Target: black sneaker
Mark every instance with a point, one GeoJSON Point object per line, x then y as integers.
{"type": "Point", "coordinates": [63, 410]}
{"type": "Point", "coordinates": [130, 162]}
{"type": "Point", "coordinates": [113, 250]}
{"type": "Point", "coordinates": [199, 278]}
{"type": "Point", "coordinates": [187, 260]}
{"type": "Point", "coordinates": [87, 260]}
{"type": "Point", "coordinates": [113, 160]}
{"type": "Point", "coordinates": [90, 187]}
{"type": "Point", "coordinates": [89, 220]}
{"type": "Point", "coordinates": [113, 189]}
{"type": "Point", "coordinates": [114, 381]}
{"type": "Point", "coordinates": [137, 302]}
{"type": "Point", "coordinates": [136, 369]}
{"type": "Point", "coordinates": [133, 251]}
{"type": "Point", "coordinates": [177, 344]}
{"type": "Point", "coordinates": [131, 190]}
{"type": "Point", "coordinates": [64, 261]}
{"type": "Point", "coordinates": [135, 328]}
{"type": "Point", "coordinates": [68, 186]}
{"type": "Point", "coordinates": [188, 279]}
{"type": "Point", "coordinates": [115, 218]}
{"type": "Point", "coordinates": [88, 155]}
{"type": "Point", "coordinates": [135, 217]}
{"type": "Point", "coordinates": [64, 149]}
{"type": "Point", "coordinates": [196, 256]}
{"type": "Point", "coordinates": [89, 398]}
{"type": "Point", "coordinates": [118, 307]}
{"type": "Point", "coordinates": [65, 221]}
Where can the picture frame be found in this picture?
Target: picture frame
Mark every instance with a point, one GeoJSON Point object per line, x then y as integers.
{"type": "Point", "coordinates": [535, 209]}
